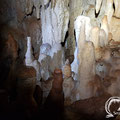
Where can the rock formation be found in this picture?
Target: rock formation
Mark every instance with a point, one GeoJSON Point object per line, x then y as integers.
{"type": "Point", "coordinates": [57, 19]}
{"type": "Point", "coordinates": [68, 83]}
{"type": "Point", "coordinates": [54, 103]}
{"type": "Point", "coordinates": [43, 34]}
{"type": "Point", "coordinates": [26, 83]}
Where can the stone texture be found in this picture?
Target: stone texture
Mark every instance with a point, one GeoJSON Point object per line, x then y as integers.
{"type": "Point", "coordinates": [91, 108]}
{"type": "Point", "coordinates": [81, 62]}
{"type": "Point", "coordinates": [114, 28]}
{"type": "Point", "coordinates": [98, 5]}
{"type": "Point", "coordinates": [26, 83]}
{"type": "Point", "coordinates": [117, 9]}
{"type": "Point", "coordinates": [55, 100]}
{"type": "Point", "coordinates": [57, 19]}
{"type": "Point", "coordinates": [109, 10]}
{"type": "Point", "coordinates": [68, 83]}
{"type": "Point", "coordinates": [12, 46]}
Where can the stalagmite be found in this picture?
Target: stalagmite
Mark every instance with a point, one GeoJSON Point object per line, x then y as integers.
{"type": "Point", "coordinates": [12, 47]}
{"type": "Point", "coordinates": [109, 10]}
{"type": "Point", "coordinates": [105, 27]}
{"type": "Point", "coordinates": [26, 83]}
{"type": "Point", "coordinates": [78, 24]}
{"type": "Point", "coordinates": [98, 5]}
{"type": "Point", "coordinates": [55, 100]}
{"type": "Point", "coordinates": [95, 38]}
{"type": "Point", "coordinates": [84, 22]}
{"type": "Point", "coordinates": [98, 37]}
{"type": "Point", "coordinates": [29, 59]}
{"type": "Point", "coordinates": [103, 40]}
{"type": "Point", "coordinates": [29, 54]}
{"type": "Point", "coordinates": [85, 62]}
{"type": "Point", "coordinates": [87, 71]}
{"type": "Point", "coordinates": [117, 8]}
{"type": "Point", "coordinates": [68, 83]}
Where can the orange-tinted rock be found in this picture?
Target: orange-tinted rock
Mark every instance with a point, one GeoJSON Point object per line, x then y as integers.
{"type": "Point", "coordinates": [55, 100]}
{"type": "Point", "coordinates": [26, 83]}
{"type": "Point", "coordinates": [12, 46]}
{"type": "Point", "coordinates": [92, 108]}
{"type": "Point", "coordinates": [26, 72]}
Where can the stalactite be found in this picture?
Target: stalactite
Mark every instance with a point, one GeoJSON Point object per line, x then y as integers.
{"type": "Point", "coordinates": [55, 22]}
{"type": "Point", "coordinates": [98, 5]}
{"type": "Point", "coordinates": [109, 10]}
{"type": "Point", "coordinates": [105, 27]}
{"type": "Point", "coordinates": [117, 8]}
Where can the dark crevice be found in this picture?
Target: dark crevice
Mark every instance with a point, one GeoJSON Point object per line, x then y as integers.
{"type": "Point", "coordinates": [66, 36]}
{"type": "Point", "coordinates": [30, 14]}
{"type": "Point", "coordinates": [97, 14]}
{"type": "Point", "coordinates": [47, 5]}
{"type": "Point", "coordinates": [113, 6]}
{"type": "Point", "coordinates": [75, 36]}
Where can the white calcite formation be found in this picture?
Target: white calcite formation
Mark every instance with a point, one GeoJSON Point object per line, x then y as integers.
{"type": "Point", "coordinates": [95, 38]}
{"type": "Point", "coordinates": [105, 27]}
{"type": "Point", "coordinates": [98, 5]}
{"type": "Point", "coordinates": [87, 71]}
{"type": "Point", "coordinates": [109, 10]}
{"type": "Point", "coordinates": [77, 25]}
{"type": "Point", "coordinates": [44, 51]}
{"type": "Point", "coordinates": [44, 60]}
{"type": "Point", "coordinates": [98, 37]}
{"type": "Point", "coordinates": [54, 19]}
{"type": "Point", "coordinates": [102, 42]}
{"type": "Point", "coordinates": [49, 59]}
{"type": "Point", "coordinates": [117, 8]}
{"type": "Point", "coordinates": [57, 57]}
{"type": "Point", "coordinates": [29, 59]}
{"type": "Point", "coordinates": [84, 61]}
{"type": "Point", "coordinates": [29, 54]}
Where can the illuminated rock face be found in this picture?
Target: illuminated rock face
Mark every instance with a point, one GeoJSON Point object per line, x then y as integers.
{"type": "Point", "coordinates": [55, 21]}
{"type": "Point", "coordinates": [82, 31]}
{"type": "Point", "coordinates": [114, 28]}
{"type": "Point", "coordinates": [85, 61]}
{"type": "Point", "coordinates": [87, 71]}
{"type": "Point", "coordinates": [117, 8]}
{"type": "Point", "coordinates": [68, 83]}
{"type": "Point", "coordinates": [98, 5]}
{"type": "Point", "coordinates": [29, 54]}
{"type": "Point", "coordinates": [96, 25]}
{"type": "Point", "coordinates": [49, 59]}
{"type": "Point", "coordinates": [109, 10]}
{"type": "Point", "coordinates": [29, 59]}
